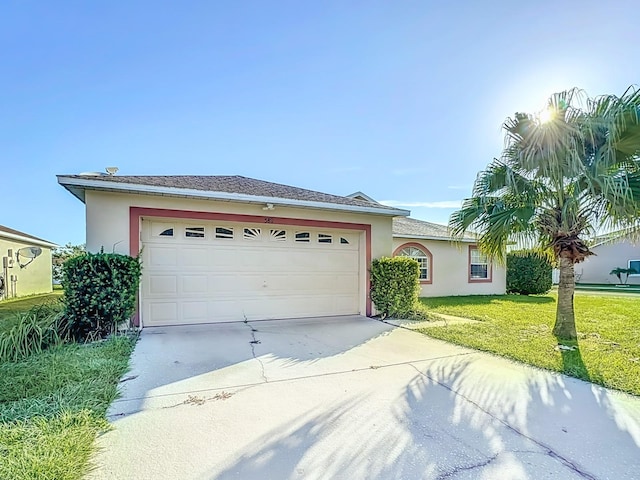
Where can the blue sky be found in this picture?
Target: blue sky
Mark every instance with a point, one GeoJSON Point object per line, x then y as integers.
{"type": "Point", "coordinates": [403, 100]}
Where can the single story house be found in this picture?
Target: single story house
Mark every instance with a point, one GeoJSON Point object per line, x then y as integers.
{"type": "Point", "coordinates": [230, 248]}
{"type": "Point", "coordinates": [614, 250]}
{"type": "Point", "coordinates": [26, 264]}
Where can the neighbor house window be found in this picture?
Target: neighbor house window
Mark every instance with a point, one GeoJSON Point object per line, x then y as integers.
{"type": "Point", "coordinates": [635, 265]}
{"type": "Point", "coordinates": [421, 255]}
{"type": "Point", "coordinates": [479, 266]}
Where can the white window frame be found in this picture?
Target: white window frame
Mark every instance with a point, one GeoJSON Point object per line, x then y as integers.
{"type": "Point", "coordinates": [487, 263]}
{"type": "Point", "coordinates": [424, 259]}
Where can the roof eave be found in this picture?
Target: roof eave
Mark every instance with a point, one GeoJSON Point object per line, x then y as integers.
{"type": "Point", "coordinates": [28, 240]}
{"type": "Point", "coordinates": [77, 186]}
{"type": "Point", "coordinates": [433, 237]}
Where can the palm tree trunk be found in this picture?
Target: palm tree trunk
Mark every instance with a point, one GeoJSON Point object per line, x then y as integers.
{"type": "Point", "coordinates": [565, 326]}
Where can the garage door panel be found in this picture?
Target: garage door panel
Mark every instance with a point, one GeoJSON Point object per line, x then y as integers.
{"type": "Point", "coordinates": [255, 275]}
{"type": "Point", "coordinates": [193, 258]}
{"type": "Point", "coordinates": [163, 285]}
{"type": "Point", "coordinates": [161, 256]}
{"type": "Point", "coordinates": [236, 309]}
{"type": "Point", "coordinates": [250, 258]}
{"type": "Point", "coordinates": [194, 284]}
{"type": "Point", "coordinates": [310, 284]}
{"type": "Point", "coordinates": [163, 313]}
{"type": "Point", "coordinates": [222, 257]}
{"type": "Point", "coordinates": [195, 312]}
{"type": "Point", "coordinates": [235, 284]}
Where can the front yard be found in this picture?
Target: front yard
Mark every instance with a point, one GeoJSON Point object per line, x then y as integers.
{"type": "Point", "coordinates": [9, 308]}
{"type": "Point", "coordinates": [519, 327]}
{"type": "Point", "coordinates": [53, 403]}
{"type": "Point", "coordinates": [52, 406]}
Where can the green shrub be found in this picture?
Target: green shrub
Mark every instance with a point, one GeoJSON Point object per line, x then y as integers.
{"type": "Point", "coordinates": [100, 292]}
{"type": "Point", "coordinates": [36, 329]}
{"type": "Point", "coordinates": [528, 273]}
{"type": "Point", "coordinates": [395, 285]}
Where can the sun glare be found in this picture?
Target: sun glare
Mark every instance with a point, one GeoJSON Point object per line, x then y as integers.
{"type": "Point", "coordinates": [545, 115]}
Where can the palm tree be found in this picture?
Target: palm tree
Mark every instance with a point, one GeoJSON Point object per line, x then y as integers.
{"type": "Point", "coordinates": [563, 175]}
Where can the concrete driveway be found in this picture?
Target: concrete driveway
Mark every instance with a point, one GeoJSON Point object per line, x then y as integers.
{"type": "Point", "coordinates": [354, 398]}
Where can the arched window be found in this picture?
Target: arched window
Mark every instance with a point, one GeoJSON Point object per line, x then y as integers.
{"type": "Point", "coordinates": [419, 254]}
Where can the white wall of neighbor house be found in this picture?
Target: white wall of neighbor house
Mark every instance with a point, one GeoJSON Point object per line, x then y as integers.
{"type": "Point", "coordinates": [608, 256]}
{"type": "Point", "coordinates": [107, 216]}
{"type": "Point", "coordinates": [35, 277]}
{"type": "Point", "coordinates": [450, 270]}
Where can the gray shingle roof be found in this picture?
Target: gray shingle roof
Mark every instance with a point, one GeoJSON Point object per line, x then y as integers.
{"type": "Point", "coordinates": [411, 227]}
{"type": "Point", "coordinates": [233, 184]}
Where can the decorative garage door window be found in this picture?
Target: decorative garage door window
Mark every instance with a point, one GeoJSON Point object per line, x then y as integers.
{"type": "Point", "coordinates": [278, 235]}
{"type": "Point", "coordinates": [421, 257]}
{"type": "Point", "coordinates": [247, 232]}
{"type": "Point", "coordinates": [162, 229]}
{"type": "Point", "coordinates": [325, 238]}
{"type": "Point", "coordinates": [303, 237]}
{"type": "Point", "coordinates": [194, 232]}
{"type": "Point", "coordinates": [224, 232]}
{"type": "Point", "coordinates": [252, 233]}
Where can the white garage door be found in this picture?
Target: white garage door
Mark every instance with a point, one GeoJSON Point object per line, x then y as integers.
{"type": "Point", "coordinates": [219, 272]}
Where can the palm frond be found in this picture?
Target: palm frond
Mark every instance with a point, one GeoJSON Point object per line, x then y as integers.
{"type": "Point", "coordinates": [557, 181]}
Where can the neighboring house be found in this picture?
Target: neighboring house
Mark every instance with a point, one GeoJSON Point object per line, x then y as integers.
{"type": "Point", "coordinates": [26, 264]}
{"type": "Point", "coordinates": [611, 251]}
{"type": "Point", "coordinates": [229, 248]}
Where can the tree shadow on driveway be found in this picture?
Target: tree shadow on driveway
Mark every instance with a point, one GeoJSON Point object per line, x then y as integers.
{"type": "Point", "coordinates": [387, 403]}
{"type": "Point", "coordinates": [473, 417]}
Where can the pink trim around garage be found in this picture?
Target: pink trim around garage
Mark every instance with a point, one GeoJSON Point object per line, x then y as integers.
{"type": "Point", "coordinates": [136, 213]}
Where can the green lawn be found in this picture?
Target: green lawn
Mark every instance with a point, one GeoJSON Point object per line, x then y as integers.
{"type": "Point", "coordinates": [9, 308]}
{"type": "Point", "coordinates": [519, 327]}
{"type": "Point", "coordinates": [52, 406]}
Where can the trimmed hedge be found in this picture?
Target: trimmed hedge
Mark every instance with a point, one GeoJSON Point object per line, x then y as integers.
{"type": "Point", "coordinates": [395, 285]}
{"type": "Point", "coordinates": [528, 273]}
{"type": "Point", "coordinates": [100, 292]}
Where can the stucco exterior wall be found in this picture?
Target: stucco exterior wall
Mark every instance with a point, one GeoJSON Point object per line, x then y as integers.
{"type": "Point", "coordinates": [108, 218]}
{"type": "Point", "coordinates": [450, 270]}
{"type": "Point", "coordinates": [34, 278]}
{"type": "Point", "coordinates": [607, 257]}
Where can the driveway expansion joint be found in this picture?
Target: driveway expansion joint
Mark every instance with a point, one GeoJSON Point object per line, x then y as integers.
{"type": "Point", "coordinates": [550, 452]}
{"type": "Point", "coordinates": [253, 342]}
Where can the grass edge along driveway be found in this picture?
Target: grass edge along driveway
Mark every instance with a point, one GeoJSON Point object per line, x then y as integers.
{"type": "Point", "coordinates": [53, 405]}
{"type": "Point", "coordinates": [520, 327]}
